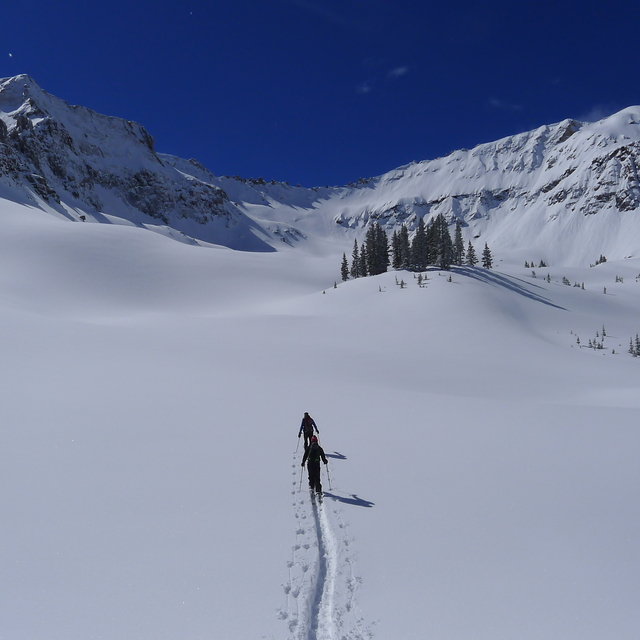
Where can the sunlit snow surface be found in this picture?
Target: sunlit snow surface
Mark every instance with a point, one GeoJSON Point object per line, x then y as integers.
{"type": "Point", "coordinates": [484, 465]}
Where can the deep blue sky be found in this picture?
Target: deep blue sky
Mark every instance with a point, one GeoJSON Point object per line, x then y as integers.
{"type": "Point", "coordinates": [327, 91]}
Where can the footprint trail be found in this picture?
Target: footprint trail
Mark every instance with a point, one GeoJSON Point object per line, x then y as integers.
{"type": "Point", "coordinates": [322, 585]}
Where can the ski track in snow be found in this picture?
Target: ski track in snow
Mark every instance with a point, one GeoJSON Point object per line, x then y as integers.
{"type": "Point", "coordinates": [322, 585]}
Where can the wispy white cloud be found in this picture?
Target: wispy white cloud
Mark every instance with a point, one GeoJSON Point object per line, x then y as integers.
{"type": "Point", "coordinates": [398, 72]}
{"type": "Point", "coordinates": [501, 105]}
{"type": "Point", "coordinates": [597, 112]}
{"type": "Point", "coordinates": [376, 82]}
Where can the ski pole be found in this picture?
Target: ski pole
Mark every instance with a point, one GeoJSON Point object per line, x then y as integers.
{"type": "Point", "coordinates": [301, 471]}
{"type": "Point", "coordinates": [298, 444]}
{"type": "Point", "coordinates": [328, 476]}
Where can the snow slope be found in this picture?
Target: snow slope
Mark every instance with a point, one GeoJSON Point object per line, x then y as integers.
{"type": "Point", "coordinates": [483, 465]}
{"type": "Point", "coordinates": [84, 165]}
{"type": "Point", "coordinates": [569, 192]}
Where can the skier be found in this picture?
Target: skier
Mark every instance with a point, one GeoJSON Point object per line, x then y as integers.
{"type": "Point", "coordinates": [307, 426]}
{"type": "Point", "coordinates": [312, 456]}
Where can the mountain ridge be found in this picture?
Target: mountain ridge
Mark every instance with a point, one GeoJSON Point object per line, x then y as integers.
{"type": "Point", "coordinates": [536, 191]}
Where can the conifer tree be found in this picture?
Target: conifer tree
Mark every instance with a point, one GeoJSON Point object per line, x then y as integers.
{"type": "Point", "coordinates": [418, 254]}
{"type": "Point", "coordinates": [404, 247]}
{"type": "Point", "coordinates": [377, 250]}
{"type": "Point", "coordinates": [439, 243]}
{"type": "Point", "coordinates": [432, 242]}
{"type": "Point", "coordinates": [355, 261]}
{"type": "Point", "coordinates": [382, 246]}
{"type": "Point", "coordinates": [458, 245]}
{"type": "Point", "coordinates": [344, 268]}
{"type": "Point", "coordinates": [471, 259]}
{"type": "Point", "coordinates": [368, 247]}
{"type": "Point", "coordinates": [362, 261]}
{"type": "Point", "coordinates": [487, 258]}
{"type": "Point", "coordinates": [396, 258]}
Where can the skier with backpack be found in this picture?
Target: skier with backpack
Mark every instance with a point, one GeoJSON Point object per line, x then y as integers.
{"type": "Point", "coordinates": [307, 426]}
{"type": "Point", "coordinates": [312, 456]}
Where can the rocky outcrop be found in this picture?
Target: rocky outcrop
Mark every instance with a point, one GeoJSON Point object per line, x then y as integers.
{"type": "Point", "coordinates": [72, 156]}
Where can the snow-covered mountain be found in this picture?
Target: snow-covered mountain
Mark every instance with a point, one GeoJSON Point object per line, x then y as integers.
{"type": "Point", "coordinates": [78, 163]}
{"type": "Point", "coordinates": [568, 192]}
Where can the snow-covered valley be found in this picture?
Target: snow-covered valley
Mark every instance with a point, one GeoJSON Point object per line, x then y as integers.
{"type": "Point", "coordinates": [483, 464]}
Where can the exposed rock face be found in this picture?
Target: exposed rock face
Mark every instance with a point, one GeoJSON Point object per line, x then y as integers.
{"type": "Point", "coordinates": [75, 157]}
{"type": "Point", "coordinates": [551, 168]}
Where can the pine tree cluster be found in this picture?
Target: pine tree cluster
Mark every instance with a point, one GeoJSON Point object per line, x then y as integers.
{"type": "Point", "coordinates": [634, 346]}
{"type": "Point", "coordinates": [371, 259]}
{"type": "Point", "coordinates": [431, 245]}
{"type": "Point", "coordinates": [596, 343]}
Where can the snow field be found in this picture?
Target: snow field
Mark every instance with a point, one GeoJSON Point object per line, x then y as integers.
{"type": "Point", "coordinates": [484, 471]}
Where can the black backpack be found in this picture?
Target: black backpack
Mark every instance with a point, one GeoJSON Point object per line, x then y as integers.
{"type": "Point", "coordinates": [308, 426]}
{"type": "Point", "coordinates": [314, 452]}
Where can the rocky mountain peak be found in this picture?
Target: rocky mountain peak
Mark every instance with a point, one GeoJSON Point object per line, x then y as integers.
{"type": "Point", "coordinates": [87, 166]}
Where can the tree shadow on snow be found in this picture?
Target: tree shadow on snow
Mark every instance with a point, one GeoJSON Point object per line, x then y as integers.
{"type": "Point", "coordinates": [336, 455]}
{"type": "Point", "coordinates": [352, 499]}
{"type": "Point", "coordinates": [513, 284]}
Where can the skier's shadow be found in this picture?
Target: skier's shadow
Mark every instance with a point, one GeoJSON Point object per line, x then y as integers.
{"type": "Point", "coordinates": [336, 455]}
{"type": "Point", "coordinates": [352, 499]}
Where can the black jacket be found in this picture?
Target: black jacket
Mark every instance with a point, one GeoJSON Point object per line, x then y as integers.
{"type": "Point", "coordinates": [314, 453]}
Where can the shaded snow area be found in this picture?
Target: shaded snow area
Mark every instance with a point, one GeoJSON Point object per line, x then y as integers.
{"type": "Point", "coordinates": [483, 463]}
